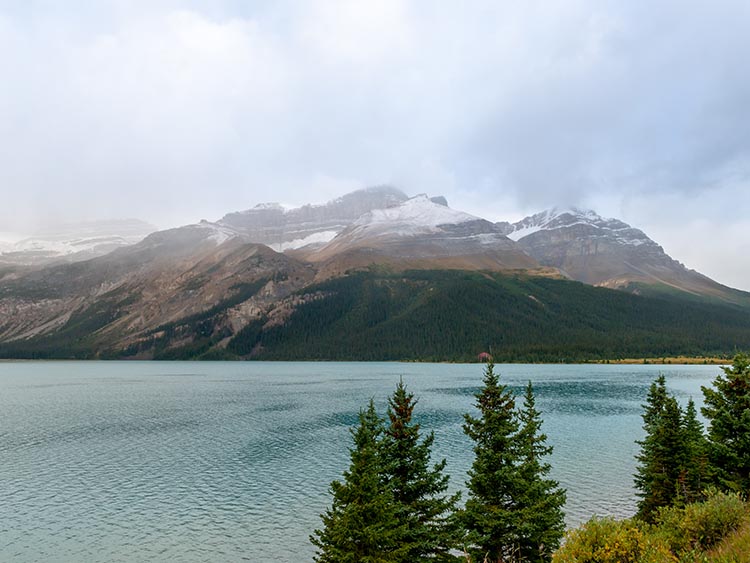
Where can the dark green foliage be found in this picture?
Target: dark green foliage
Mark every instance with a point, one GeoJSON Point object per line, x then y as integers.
{"type": "Point", "coordinates": [419, 490]}
{"type": "Point", "coordinates": [695, 475]}
{"type": "Point", "coordinates": [453, 315]}
{"type": "Point", "coordinates": [434, 316]}
{"type": "Point", "coordinates": [662, 454]}
{"type": "Point", "coordinates": [247, 338]}
{"type": "Point", "coordinates": [362, 524]}
{"type": "Point", "coordinates": [542, 501]}
{"type": "Point", "coordinates": [727, 409]}
{"type": "Point", "coordinates": [672, 464]}
{"type": "Point", "coordinates": [497, 512]}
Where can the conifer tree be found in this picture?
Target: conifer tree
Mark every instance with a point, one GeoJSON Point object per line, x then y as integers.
{"type": "Point", "coordinates": [663, 456]}
{"type": "Point", "coordinates": [541, 504]}
{"type": "Point", "coordinates": [419, 490]}
{"type": "Point", "coordinates": [695, 473]}
{"type": "Point", "coordinates": [491, 517]}
{"type": "Point", "coordinates": [727, 408]}
{"type": "Point", "coordinates": [362, 525]}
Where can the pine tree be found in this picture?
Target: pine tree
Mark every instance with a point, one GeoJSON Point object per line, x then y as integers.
{"type": "Point", "coordinates": [727, 408]}
{"type": "Point", "coordinates": [362, 525]}
{"type": "Point", "coordinates": [695, 474]}
{"type": "Point", "coordinates": [663, 452]}
{"type": "Point", "coordinates": [542, 517]}
{"type": "Point", "coordinates": [419, 491]}
{"type": "Point", "coordinates": [491, 517]}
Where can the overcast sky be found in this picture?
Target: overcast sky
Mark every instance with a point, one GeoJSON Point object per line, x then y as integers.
{"type": "Point", "coordinates": [176, 111]}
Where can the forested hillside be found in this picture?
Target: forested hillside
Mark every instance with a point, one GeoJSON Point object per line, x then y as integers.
{"type": "Point", "coordinates": [434, 316]}
{"type": "Point", "coordinates": [455, 316]}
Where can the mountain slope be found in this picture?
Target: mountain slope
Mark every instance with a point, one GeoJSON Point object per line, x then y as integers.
{"type": "Point", "coordinates": [456, 315]}
{"type": "Point", "coordinates": [420, 233]}
{"type": "Point", "coordinates": [410, 278]}
{"type": "Point", "coordinates": [122, 298]}
{"type": "Point", "coordinates": [283, 229]}
{"type": "Point", "coordinates": [418, 315]}
{"type": "Point", "coordinates": [611, 253]}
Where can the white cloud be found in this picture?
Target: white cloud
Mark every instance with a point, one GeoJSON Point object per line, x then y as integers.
{"type": "Point", "coordinates": [174, 111]}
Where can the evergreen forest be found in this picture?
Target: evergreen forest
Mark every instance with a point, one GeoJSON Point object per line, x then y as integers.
{"type": "Point", "coordinates": [392, 503]}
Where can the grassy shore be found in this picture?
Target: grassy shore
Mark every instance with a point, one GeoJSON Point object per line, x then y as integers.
{"type": "Point", "coordinates": [680, 360]}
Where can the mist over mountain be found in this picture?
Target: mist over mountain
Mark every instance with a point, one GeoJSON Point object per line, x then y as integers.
{"type": "Point", "coordinates": [261, 282]}
{"type": "Point", "coordinates": [74, 242]}
{"type": "Point", "coordinates": [282, 229]}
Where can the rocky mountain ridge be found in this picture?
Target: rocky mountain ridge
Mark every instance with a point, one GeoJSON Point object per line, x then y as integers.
{"type": "Point", "coordinates": [610, 253]}
{"type": "Point", "coordinates": [283, 229]}
{"type": "Point", "coordinates": [198, 287]}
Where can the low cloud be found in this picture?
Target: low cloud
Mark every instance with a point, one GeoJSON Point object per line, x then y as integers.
{"type": "Point", "coordinates": [175, 111]}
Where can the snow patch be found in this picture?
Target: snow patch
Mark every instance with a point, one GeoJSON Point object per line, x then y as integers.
{"type": "Point", "coordinates": [218, 234]}
{"type": "Point", "coordinates": [523, 232]}
{"type": "Point", "coordinates": [563, 218]}
{"type": "Point", "coordinates": [315, 238]}
{"type": "Point", "coordinates": [414, 216]}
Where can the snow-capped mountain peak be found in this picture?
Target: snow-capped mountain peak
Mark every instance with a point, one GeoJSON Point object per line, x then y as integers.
{"type": "Point", "coordinates": [570, 217]}
{"type": "Point", "coordinates": [416, 215]}
{"type": "Point", "coordinates": [284, 228]}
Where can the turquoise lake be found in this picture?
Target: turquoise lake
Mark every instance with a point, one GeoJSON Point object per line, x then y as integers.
{"type": "Point", "coordinates": [187, 461]}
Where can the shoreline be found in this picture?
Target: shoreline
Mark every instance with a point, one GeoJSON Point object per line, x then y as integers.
{"type": "Point", "coordinates": [671, 360]}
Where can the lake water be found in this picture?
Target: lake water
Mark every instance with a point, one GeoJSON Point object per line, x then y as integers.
{"type": "Point", "coordinates": [185, 461]}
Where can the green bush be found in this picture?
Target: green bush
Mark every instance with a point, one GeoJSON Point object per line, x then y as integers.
{"type": "Point", "coordinates": [699, 526]}
{"type": "Point", "coordinates": [679, 535]}
{"type": "Point", "coordinates": [606, 540]}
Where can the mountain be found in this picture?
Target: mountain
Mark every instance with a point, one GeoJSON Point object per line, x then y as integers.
{"type": "Point", "coordinates": [610, 253]}
{"type": "Point", "coordinates": [142, 292]}
{"type": "Point", "coordinates": [283, 229]}
{"type": "Point", "coordinates": [421, 233]}
{"type": "Point", "coordinates": [419, 315]}
{"type": "Point", "coordinates": [372, 275]}
{"type": "Point", "coordinates": [75, 242]}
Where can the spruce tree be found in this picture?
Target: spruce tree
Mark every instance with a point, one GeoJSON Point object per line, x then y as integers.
{"type": "Point", "coordinates": [541, 504]}
{"type": "Point", "coordinates": [658, 471]}
{"type": "Point", "coordinates": [727, 409]}
{"type": "Point", "coordinates": [695, 474]}
{"type": "Point", "coordinates": [663, 456]}
{"type": "Point", "coordinates": [419, 490]}
{"type": "Point", "coordinates": [491, 517]}
{"type": "Point", "coordinates": [362, 524]}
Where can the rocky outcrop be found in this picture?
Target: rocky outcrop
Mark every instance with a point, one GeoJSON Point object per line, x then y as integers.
{"type": "Point", "coordinates": [608, 252]}
{"type": "Point", "coordinates": [284, 229]}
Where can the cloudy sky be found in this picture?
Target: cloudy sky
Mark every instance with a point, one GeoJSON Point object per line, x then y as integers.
{"type": "Point", "coordinates": [176, 111]}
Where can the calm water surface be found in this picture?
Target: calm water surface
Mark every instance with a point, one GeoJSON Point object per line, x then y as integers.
{"type": "Point", "coordinates": [142, 461]}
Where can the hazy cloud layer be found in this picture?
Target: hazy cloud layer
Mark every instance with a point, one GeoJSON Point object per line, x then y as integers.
{"type": "Point", "coordinates": [175, 111]}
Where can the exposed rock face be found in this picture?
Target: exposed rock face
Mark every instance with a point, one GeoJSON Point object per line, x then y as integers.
{"type": "Point", "coordinates": [605, 252]}
{"type": "Point", "coordinates": [75, 242]}
{"type": "Point", "coordinates": [169, 276]}
{"type": "Point", "coordinates": [283, 229]}
{"type": "Point", "coordinates": [590, 248]}
{"type": "Point", "coordinates": [203, 284]}
{"type": "Point", "coordinates": [424, 234]}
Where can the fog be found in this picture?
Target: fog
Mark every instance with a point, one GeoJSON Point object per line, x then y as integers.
{"type": "Point", "coordinates": [171, 112]}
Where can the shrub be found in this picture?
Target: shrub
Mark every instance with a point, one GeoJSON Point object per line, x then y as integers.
{"type": "Point", "coordinates": [606, 540]}
{"type": "Point", "coordinates": [701, 525]}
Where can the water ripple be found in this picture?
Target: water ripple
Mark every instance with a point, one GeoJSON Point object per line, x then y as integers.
{"type": "Point", "coordinates": [232, 462]}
